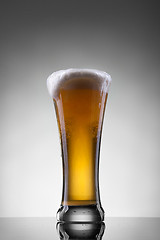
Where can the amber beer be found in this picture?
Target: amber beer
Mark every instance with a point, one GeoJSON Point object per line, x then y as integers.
{"type": "Point", "coordinates": [80, 97]}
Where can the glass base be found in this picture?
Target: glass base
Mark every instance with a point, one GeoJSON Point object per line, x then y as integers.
{"type": "Point", "coordinates": [80, 230]}
{"type": "Point", "coordinates": [81, 213]}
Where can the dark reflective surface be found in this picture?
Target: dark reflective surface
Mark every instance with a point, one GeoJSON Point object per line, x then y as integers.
{"type": "Point", "coordinates": [80, 230]}
{"type": "Point", "coordinates": [45, 229]}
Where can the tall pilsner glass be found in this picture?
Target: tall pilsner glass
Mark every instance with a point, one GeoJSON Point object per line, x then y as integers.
{"type": "Point", "coordinates": [80, 96]}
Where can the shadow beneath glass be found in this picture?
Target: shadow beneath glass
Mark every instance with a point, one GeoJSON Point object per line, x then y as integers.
{"type": "Point", "coordinates": [80, 230]}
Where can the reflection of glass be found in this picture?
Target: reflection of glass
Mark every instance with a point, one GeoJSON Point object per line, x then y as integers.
{"type": "Point", "coordinates": [80, 230]}
{"type": "Point", "coordinates": [80, 97]}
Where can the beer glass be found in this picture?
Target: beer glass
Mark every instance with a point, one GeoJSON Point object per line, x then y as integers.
{"type": "Point", "coordinates": [79, 97]}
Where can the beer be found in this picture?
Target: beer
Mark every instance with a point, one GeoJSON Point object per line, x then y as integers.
{"type": "Point", "coordinates": [80, 100]}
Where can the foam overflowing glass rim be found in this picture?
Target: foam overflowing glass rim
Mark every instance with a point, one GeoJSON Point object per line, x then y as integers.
{"type": "Point", "coordinates": [56, 80]}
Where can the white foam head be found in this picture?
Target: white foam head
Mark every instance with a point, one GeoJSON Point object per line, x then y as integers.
{"type": "Point", "coordinates": [57, 79]}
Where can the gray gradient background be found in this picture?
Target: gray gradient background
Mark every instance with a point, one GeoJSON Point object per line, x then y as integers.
{"type": "Point", "coordinates": [39, 37]}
